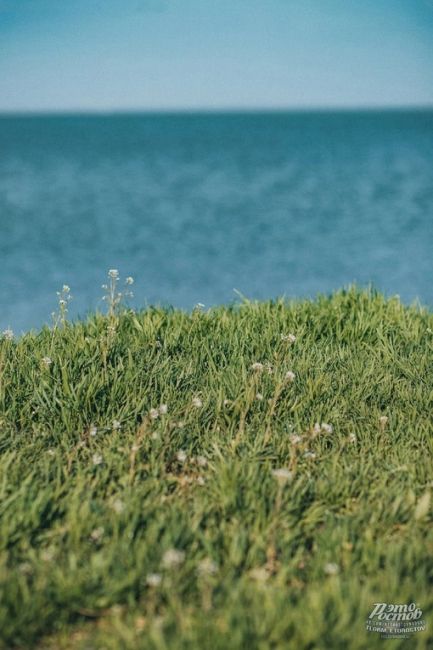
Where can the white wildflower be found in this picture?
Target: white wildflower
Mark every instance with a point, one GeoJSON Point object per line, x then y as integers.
{"type": "Point", "coordinates": [153, 579]}
{"type": "Point", "coordinates": [172, 558]}
{"type": "Point", "coordinates": [331, 569]}
{"type": "Point", "coordinates": [207, 567]}
{"type": "Point", "coordinates": [352, 438]}
{"type": "Point", "coordinates": [8, 334]}
{"type": "Point", "coordinates": [259, 397]}
{"type": "Point", "coordinates": [317, 428]}
{"type": "Point", "coordinates": [25, 568]}
{"type": "Point", "coordinates": [310, 454]}
{"type": "Point", "coordinates": [97, 534]}
{"type": "Point", "coordinates": [46, 361]}
{"type": "Point", "coordinates": [181, 456]}
{"type": "Point", "coordinates": [113, 273]}
{"type": "Point", "coordinates": [93, 430]}
{"type": "Point", "coordinates": [327, 428]}
{"type": "Point", "coordinates": [129, 280]}
{"type": "Point", "coordinates": [201, 461]}
{"type": "Point", "coordinates": [118, 506]}
{"type": "Point", "coordinates": [154, 414]}
{"type": "Point", "coordinates": [51, 452]}
{"type": "Point", "coordinates": [227, 402]}
{"type": "Point", "coordinates": [116, 425]}
{"type": "Point", "coordinates": [201, 480]}
{"type": "Point", "coordinates": [257, 366]}
{"type": "Point", "coordinates": [282, 475]}
{"type": "Point", "coordinates": [288, 338]}
{"type": "Point", "coordinates": [290, 376]}
{"type": "Point", "coordinates": [196, 401]}
{"type": "Point", "coordinates": [383, 421]}
{"type": "Point", "coordinates": [97, 459]}
{"type": "Point", "coordinates": [260, 574]}
{"type": "Point", "coordinates": [163, 409]}
{"type": "Point", "coordinates": [295, 439]}
{"type": "Point", "coordinates": [48, 555]}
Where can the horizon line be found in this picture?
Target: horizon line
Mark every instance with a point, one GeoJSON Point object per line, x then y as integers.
{"type": "Point", "coordinates": [29, 112]}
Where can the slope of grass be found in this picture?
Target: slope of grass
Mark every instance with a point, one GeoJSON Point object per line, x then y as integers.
{"type": "Point", "coordinates": [123, 526]}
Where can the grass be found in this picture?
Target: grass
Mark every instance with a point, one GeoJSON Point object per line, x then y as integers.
{"type": "Point", "coordinates": [124, 527]}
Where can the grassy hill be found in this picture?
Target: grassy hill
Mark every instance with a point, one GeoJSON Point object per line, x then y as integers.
{"type": "Point", "coordinates": [166, 482]}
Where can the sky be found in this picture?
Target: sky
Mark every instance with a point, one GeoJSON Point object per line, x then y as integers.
{"type": "Point", "coordinates": [106, 55]}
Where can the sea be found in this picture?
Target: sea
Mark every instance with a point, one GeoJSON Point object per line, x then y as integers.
{"type": "Point", "coordinates": [209, 207]}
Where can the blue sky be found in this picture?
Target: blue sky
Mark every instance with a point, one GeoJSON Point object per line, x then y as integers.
{"type": "Point", "coordinates": [170, 54]}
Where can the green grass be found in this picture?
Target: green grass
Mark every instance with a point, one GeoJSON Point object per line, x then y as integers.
{"type": "Point", "coordinates": [86, 519]}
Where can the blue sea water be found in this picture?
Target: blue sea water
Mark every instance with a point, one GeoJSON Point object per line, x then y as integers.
{"type": "Point", "coordinates": [195, 205]}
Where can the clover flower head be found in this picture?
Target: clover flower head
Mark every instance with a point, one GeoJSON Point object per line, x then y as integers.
{"type": "Point", "coordinates": [282, 474]}
{"type": "Point", "coordinates": [48, 554]}
{"type": "Point", "coordinates": [207, 567]}
{"type": "Point", "coordinates": [153, 579]}
{"type": "Point", "coordinates": [383, 420]}
{"type": "Point", "coordinates": [331, 569]}
{"type": "Point", "coordinates": [181, 456]}
{"type": "Point", "coordinates": [260, 574]}
{"type": "Point", "coordinates": [118, 506]}
{"type": "Point", "coordinates": [172, 558]}
{"type": "Point", "coordinates": [97, 534]}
